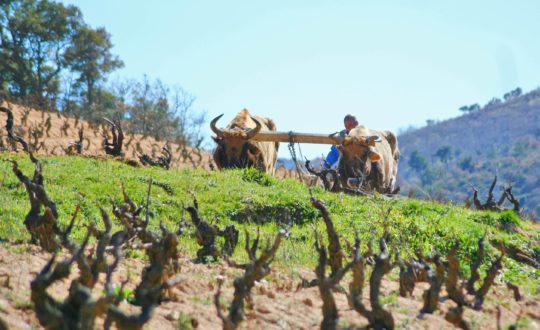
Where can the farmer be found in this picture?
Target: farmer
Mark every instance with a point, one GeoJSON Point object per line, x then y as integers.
{"type": "Point", "coordinates": [350, 122]}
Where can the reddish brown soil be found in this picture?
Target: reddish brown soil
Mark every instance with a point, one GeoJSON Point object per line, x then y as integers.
{"type": "Point", "coordinates": [277, 303]}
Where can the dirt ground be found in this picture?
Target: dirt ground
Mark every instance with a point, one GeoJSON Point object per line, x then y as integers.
{"type": "Point", "coordinates": [277, 301]}
{"type": "Point", "coordinates": [55, 133]}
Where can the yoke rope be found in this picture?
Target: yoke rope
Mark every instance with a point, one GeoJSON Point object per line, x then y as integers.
{"type": "Point", "coordinates": [300, 169]}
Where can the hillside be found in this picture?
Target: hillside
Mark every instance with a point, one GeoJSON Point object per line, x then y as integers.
{"type": "Point", "coordinates": [53, 134]}
{"type": "Point", "coordinates": [247, 198]}
{"type": "Point", "coordinates": [501, 139]}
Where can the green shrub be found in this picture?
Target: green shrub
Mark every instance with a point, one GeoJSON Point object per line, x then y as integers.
{"type": "Point", "coordinates": [509, 218]}
{"type": "Point", "coordinates": [251, 174]}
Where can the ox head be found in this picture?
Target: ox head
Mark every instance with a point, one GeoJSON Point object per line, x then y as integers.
{"type": "Point", "coordinates": [357, 155]}
{"type": "Point", "coordinates": [234, 150]}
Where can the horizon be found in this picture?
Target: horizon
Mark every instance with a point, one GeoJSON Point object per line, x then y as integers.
{"type": "Point", "coordinates": [308, 64]}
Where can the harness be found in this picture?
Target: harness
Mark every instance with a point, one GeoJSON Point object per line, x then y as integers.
{"type": "Point", "coordinates": [300, 167]}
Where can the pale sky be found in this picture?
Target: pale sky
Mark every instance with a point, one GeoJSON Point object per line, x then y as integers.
{"type": "Point", "coordinates": [306, 64]}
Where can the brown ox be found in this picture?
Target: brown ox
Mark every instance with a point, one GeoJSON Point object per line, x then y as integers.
{"type": "Point", "coordinates": [369, 159]}
{"type": "Point", "coordinates": [234, 150]}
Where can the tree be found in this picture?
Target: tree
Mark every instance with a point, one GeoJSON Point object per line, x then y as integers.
{"type": "Point", "coordinates": [466, 164]}
{"type": "Point", "coordinates": [494, 101]}
{"type": "Point", "coordinates": [149, 109]}
{"type": "Point", "coordinates": [189, 122]}
{"type": "Point", "coordinates": [90, 56]}
{"type": "Point", "coordinates": [512, 94]}
{"type": "Point", "coordinates": [470, 108]}
{"type": "Point", "coordinates": [464, 108]}
{"type": "Point", "coordinates": [474, 107]}
{"type": "Point", "coordinates": [418, 162]}
{"type": "Point", "coordinates": [430, 175]}
{"type": "Point", "coordinates": [34, 35]}
{"type": "Point", "coordinates": [444, 153]}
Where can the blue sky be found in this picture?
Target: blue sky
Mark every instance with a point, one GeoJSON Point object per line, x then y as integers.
{"type": "Point", "coordinates": [307, 64]}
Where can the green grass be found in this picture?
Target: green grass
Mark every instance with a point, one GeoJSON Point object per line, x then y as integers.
{"type": "Point", "coordinates": [252, 199]}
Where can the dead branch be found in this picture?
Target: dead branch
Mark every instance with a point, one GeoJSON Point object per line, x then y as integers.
{"type": "Point", "coordinates": [35, 133]}
{"type": "Point", "coordinates": [42, 226]}
{"type": "Point", "coordinates": [162, 251]}
{"type": "Point", "coordinates": [528, 259]}
{"type": "Point", "coordinates": [79, 309]}
{"type": "Point", "coordinates": [11, 135]}
{"type": "Point", "coordinates": [334, 246]}
{"type": "Point", "coordinates": [410, 273]}
{"type": "Point", "coordinates": [515, 290]}
{"type": "Point", "coordinates": [207, 233]}
{"type": "Point", "coordinates": [327, 284]}
{"type": "Point", "coordinates": [48, 125]}
{"type": "Point", "coordinates": [510, 196]}
{"type": "Point", "coordinates": [323, 175]}
{"type": "Point", "coordinates": [65, 127]}
{"type": "Point", "coordinates": [255, 270]}
{"type": "Point", "coordinates": [129, 215]}
{"type": "Point", "coordinates": [491, 273]}
{"type": "Point", "coordinates": [114, 148]}
{"type": "Point", "coordinates": [127, 321]}
{"type": "Point", "coordinates": [90, 266]}
{"type": "Point", "coordinates": [378, 317]}
{"type": "Point", "coordinates": [493, 205]}
{"type": "Point", "coordinates": [455, 292]}
{"type": "Point", "coordinates": [78, 145]}
{"type": "Point", "coordinates": [157, 277]}
{"type": "Point", "coordinates": [24, 118]}
{"type": "Point", "coordinates": [230, 233]}
{"type": "Point", "coordinates": [475, 276]}
{"type": "Point", "coordinates": [436, 280]}
{"type": "Point", "coordinates": [162, 161]}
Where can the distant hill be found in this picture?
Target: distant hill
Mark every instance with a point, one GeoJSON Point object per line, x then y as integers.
{"type": "Point", "coordinates": [501, 138]}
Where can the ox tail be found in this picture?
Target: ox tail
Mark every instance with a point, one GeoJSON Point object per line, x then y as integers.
{"type": "Point", "coordinates": [392, 141]}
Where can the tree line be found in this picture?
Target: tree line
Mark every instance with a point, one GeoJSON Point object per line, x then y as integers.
{"type": "Point", "coordinates": [50, 58]}
{"type": "Point", "coordinates": [513, 94]}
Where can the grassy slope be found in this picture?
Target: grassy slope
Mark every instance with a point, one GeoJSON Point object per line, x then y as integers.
{"type": "Point", "coordinates": [249, 197]}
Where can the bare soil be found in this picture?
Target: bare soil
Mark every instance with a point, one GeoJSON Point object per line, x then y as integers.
{"type": "Point", "coordinates": [278, 302]}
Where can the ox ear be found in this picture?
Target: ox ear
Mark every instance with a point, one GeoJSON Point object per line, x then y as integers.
{"type": "Point", "coordinates": [373, 156]}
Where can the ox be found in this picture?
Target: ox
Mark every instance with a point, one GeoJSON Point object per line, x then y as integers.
{"type": "Point", "coordinates": [369, 159]}
{"type": "Point", "coordinates": [234, 150]}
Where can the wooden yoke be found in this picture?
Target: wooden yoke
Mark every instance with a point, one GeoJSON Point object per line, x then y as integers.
{"type": "Point", "coordinates": [272, 136]}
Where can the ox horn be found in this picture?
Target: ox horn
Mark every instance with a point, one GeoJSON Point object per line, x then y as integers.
{"type": "Point", "coordinates": [254, 131]}
{"type": "Point", "coordinates": [370, 140]}
{"type": "Point", "coordinates": [216, 130]}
